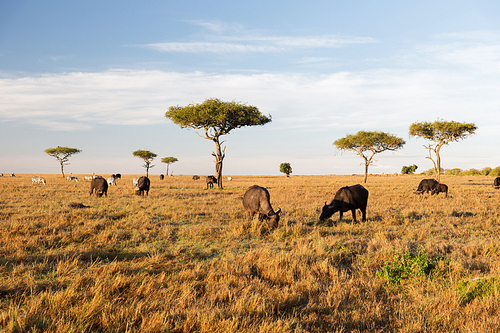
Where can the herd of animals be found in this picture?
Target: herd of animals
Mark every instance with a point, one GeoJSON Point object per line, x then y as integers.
{"type": "Point", "coordinates": [256, 199]}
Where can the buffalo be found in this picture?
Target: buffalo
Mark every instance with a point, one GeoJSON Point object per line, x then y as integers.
{"type": "Point", "coordinates": [440, 188]}
{"type": "Point", "coordinates": [196, 177]}
{"type": "Point", "coordinates": [426, 185]}
{"type": "Point", "coordinates": [347, 198]}
{"type": "Point", "coordinates": [142, 186]}
{"type": "Point", "coordinates": [162, 177]}
{"type": "Point", "coordinates": [100, 186]}
{"type": "Point", "coordinates": [256, 200]}
{"type": "Point", "coordinates": [211, 180]}
{"type": "Point", "coordinates": [496, 183]}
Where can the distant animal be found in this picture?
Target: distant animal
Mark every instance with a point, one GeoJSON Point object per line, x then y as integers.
{"type": "Point", "coordinates": [426, 185]}
{"type": "Point", "coordinates": [118, 176]}
{"type": "Point", "coordinates": [496, 183]}
{"type": "Point", "coordinates": [111, 181]}
{"type": "Point", "coordinates": [99, 186]}
{"type": "Point", "coordinates": [347, 198]}
{"type": "Point", "coordinates": [134, 181]}
{"type": "Point", "coordinates": [257, 200]}
{"type": "Point", "coordinates": [142, 186]}
{"type": "Point", "coordinates": [211, 180]}
{"type": "Point", "coordinates": [1, 174]}
{"type": "Point", "coordinates": [440, 188]}
{"type": "Point", "coordinates": [77, 205]}
{"type": "Point", "coordinates": [12, 175]}
{"type": "Point", "coordinates": [72, 179]}
{"type": "Point", "coordinates": [162, 177]}
{"type": "Point", "coordinates": [38, 180]}
{"type": "Point", "coordinates": [88, 177]}
{"type": "Point", "coordinates": [196, 177]}
{"type": "Point", "coordinates": [229, 178]}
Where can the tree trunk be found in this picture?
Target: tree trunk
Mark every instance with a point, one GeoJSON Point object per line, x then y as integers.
{"type": "Point", "coordinates": [366, 171]}
{"type": "Point", "coordinates": [168, 164]}
{"type": "Point", "coordinates": [219, 157]}
{"type": "Point", "coordinates": [62, 169]}
{"type": "Point", "coordinates": [147, 171]}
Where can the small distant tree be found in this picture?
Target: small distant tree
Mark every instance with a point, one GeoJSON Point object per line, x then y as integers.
{"type": "Point", "coordinates": [62, 154]}
{"type": "Point", "coordinates": [409, 170]}
{"type": "Point", "coordinates": [441, 132]}
{"type": "Point", "coordinates": [147, 156]}
{"type": "Point", "coordinates": [371, 143]}
{"type": "Point", "coordinates": [286, 168]}
{"type": "Point", "coordinates": [216, 118]}
{"type": "Point", "coordinates": [168, 161]}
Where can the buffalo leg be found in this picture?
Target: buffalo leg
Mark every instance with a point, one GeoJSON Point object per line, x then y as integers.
{"type": "Point", "coordinates": [353, 215]}
{"type": "Point", "coordinates": [363, 213]}
{"type": "Point", "coordinates": [341, 213]}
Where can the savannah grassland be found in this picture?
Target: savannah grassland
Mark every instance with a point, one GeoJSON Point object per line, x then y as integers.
{"type": "Point", "coordinates": [184, 259]}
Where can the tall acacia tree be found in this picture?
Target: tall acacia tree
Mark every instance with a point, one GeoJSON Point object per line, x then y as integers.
{"type": "Point", "coordinates": [370, 143]}
{"type": "Point", "coordinates": [441, 132]}
{"type": "Point", "coordinates": [147, 156]}
{"type": "Point", "coordinates": [216, 118]}
{"type": "Point", "coordinates": [62, 154]}
{"type": "Point", "coordinates": [168, 160]}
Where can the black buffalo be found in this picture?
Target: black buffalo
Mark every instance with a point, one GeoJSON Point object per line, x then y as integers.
{"type": "Point", "coordinates": [162, 177]}
{"type": "Point", "coordinates": [100, 186]}
{"type": "Point", "coordinates": [426, 185]}
{"type": "Point", "coordinates": [440, 188]}
{"type": "Point", "coordinates": [257, 200]}
{"type": "Point", "coordinates": [496, 183]}
{"type": "Point", "coordinates": [347, 198]}
{"type": "Point", "coordinates": [142, 186]}
{"type": "Point", "coordinates": [211, 180]}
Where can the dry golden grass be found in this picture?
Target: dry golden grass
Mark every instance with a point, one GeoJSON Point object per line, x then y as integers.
{"type": "Point", "coordinates": [185, 260]}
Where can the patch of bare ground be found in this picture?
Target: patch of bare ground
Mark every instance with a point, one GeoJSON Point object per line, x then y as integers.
{"type": "Point", "coordinates": [185, 259]}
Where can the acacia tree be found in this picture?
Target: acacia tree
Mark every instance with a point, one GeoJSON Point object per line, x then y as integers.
{"type": "Point", "coordinates": [286, 168]}
{"type": "Point", "coordinates": [62, 154]}
{"type": "Point", "coordinates": [216, 118]}
{"type": "Point", "coordinates": [369, 142]}
{"type": "Point", "coordinates": [147, 156]}
{"type": "Point", "coordinates": [168, 161]}
{"type": "Point", "coordinates": [441, 132]}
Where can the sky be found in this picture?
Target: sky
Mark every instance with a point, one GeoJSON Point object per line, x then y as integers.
{"type": "Point", "coordinates": [100, 75]}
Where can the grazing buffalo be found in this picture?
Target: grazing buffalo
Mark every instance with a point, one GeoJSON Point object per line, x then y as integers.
{"type": "Point", "coordinates": [196, 177]}
{"type": "Point", "coordinates": [426, 185]}
{"type": "Point", "coordinates": [100, 186]}
{"type": "Point", "coordinates": [440, 188]}
{"type": "Point", "coordinates": [162, 177]}
{"type": "Point", "coordinates": [38, 180]}
{"type": "Point", "coordinates": [256, 200]}
{"type": "Point", "coordinates": [496, 183]}
{"type": "Point", "coordinates": [347, 198]}
{"type": "Point", "coordinates": [111, 181]}
{"type": "Point", "coordinates": [211, 180]}
{"type": "Point", "coordinates": [142, 186]}
{"type": "Point", "coordinates": [72, 179]}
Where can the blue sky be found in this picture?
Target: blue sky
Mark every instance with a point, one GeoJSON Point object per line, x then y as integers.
{"type": "Point", "coordinates": [100, 75]}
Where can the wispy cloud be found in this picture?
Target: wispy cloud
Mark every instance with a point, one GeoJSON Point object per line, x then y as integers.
{"type": "Point", "coordinates": [226, 38]}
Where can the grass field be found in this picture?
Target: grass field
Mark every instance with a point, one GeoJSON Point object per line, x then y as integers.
{"type": "Point", "coordinates": [185, 259]}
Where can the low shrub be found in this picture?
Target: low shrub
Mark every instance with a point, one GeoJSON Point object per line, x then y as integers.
{"type": "Point", "coordinates": [408, 266]}
{"type": "Point", "coordinates": [478, 288]}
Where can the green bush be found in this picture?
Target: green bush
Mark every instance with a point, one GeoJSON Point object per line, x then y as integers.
{"type": "Point", "coordinates": [486, 171]}
{"type": "Point", "coordinates": [453, 172]}
{"type": "Point", "coordinates": [409, 169]}
{"type": "Point", "coordinates": [407, 266]}
{"type": "Point", "coordinates": [471, 172]}
{"type": "Point", "coordinates": [495, 172]}
{"type": "Point", "coordinates": [472, 289]}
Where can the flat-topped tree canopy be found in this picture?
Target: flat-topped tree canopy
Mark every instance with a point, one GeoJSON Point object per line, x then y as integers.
{"type": "Point", "coordinates": [217, 118]}
{"type": "Point", "coordinates": [62, 154]}
{"type": "Point", "coordinates": [441, 132]}
{"type": "Point", "coordinates": [366, 141]}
